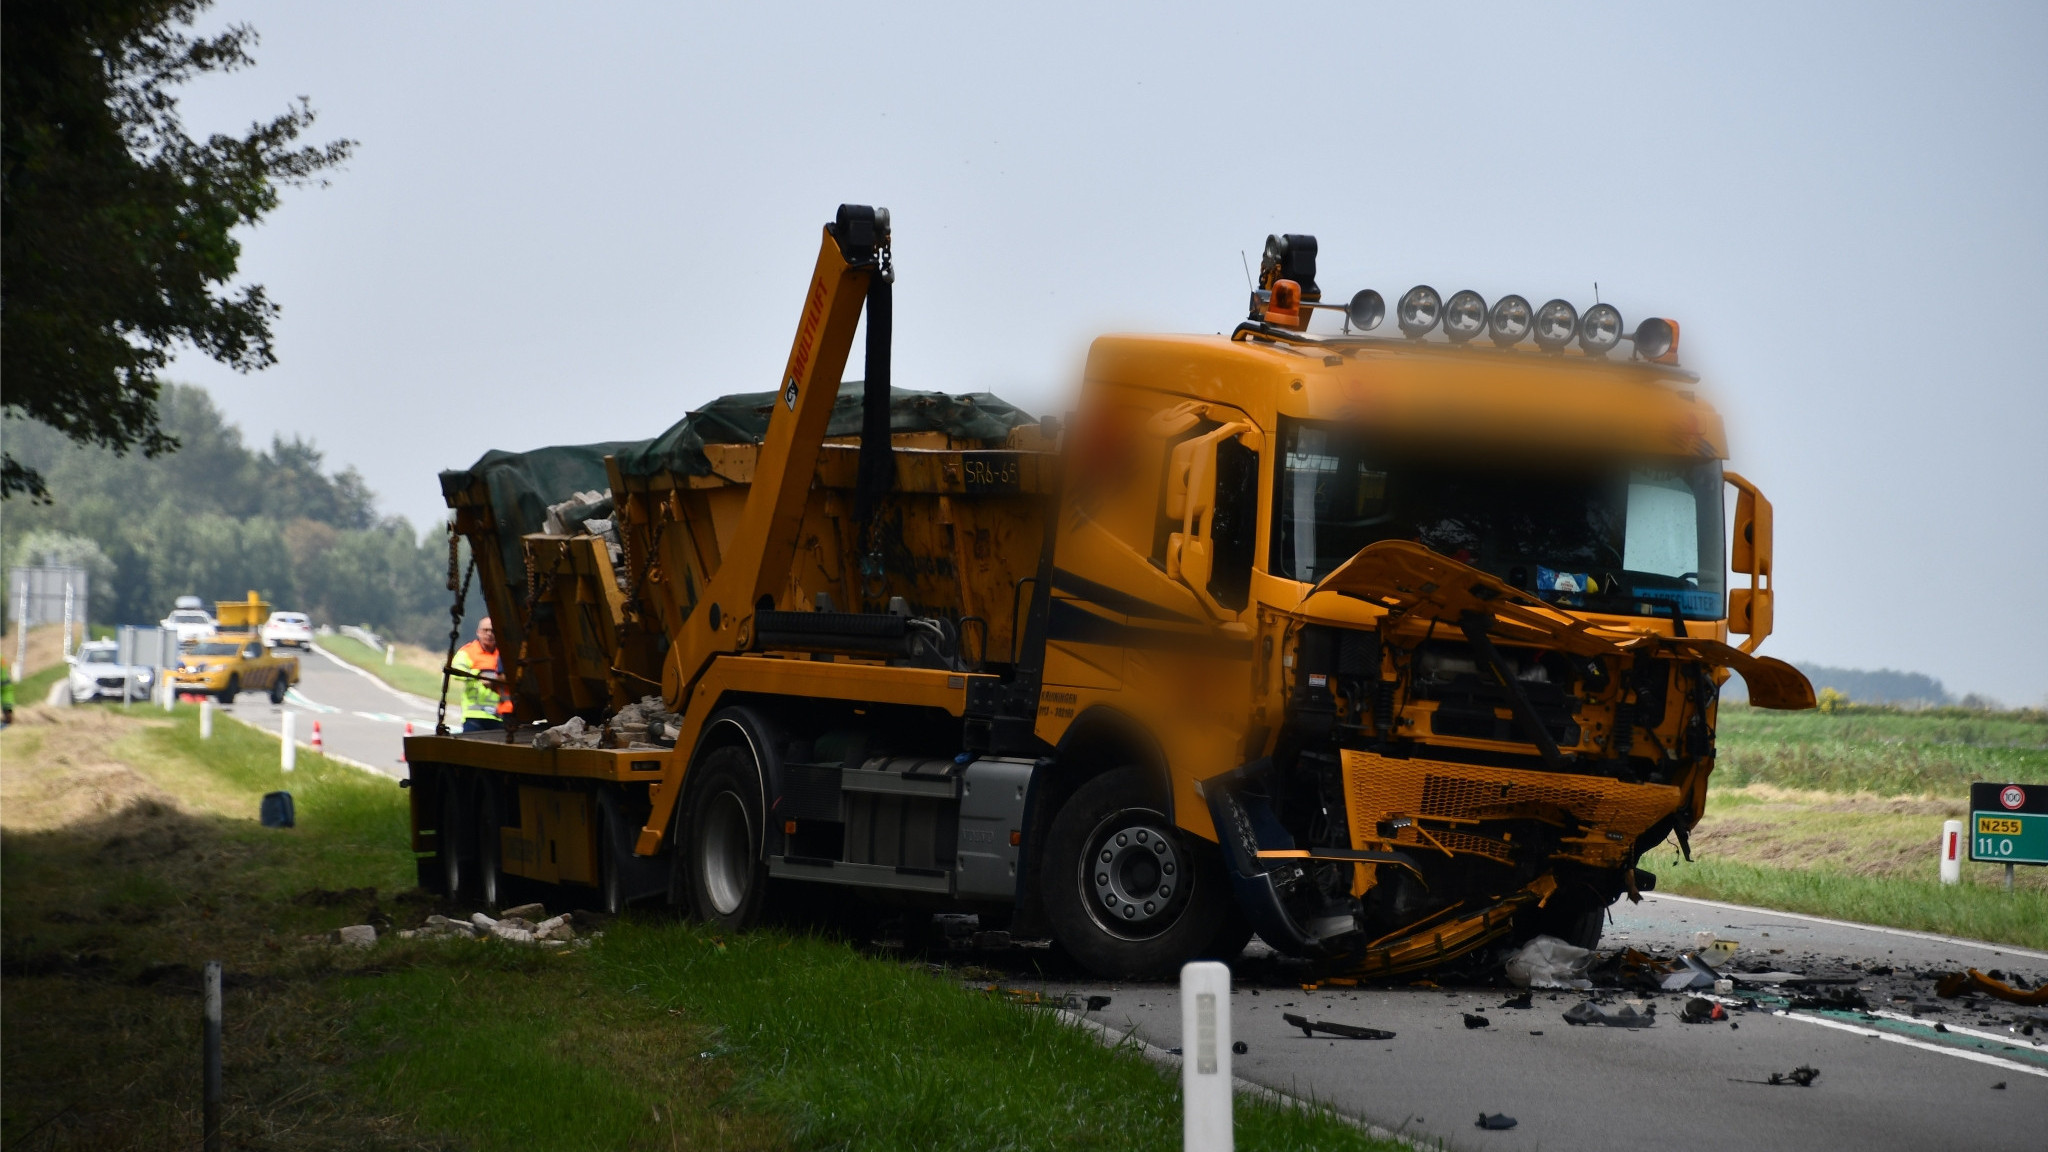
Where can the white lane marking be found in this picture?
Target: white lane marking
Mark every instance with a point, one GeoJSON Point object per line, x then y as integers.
{"type": "Point", "coordinates": [1908, 1041]}
{"type": "Point", "coordinates": [382, 717]}
{"type": "Point", "coordinates": [1959, 1029]}
{"type": "Point", "coordinates": [404, 696]}
{"type": "Point", "coordinates": [302, 700]}
{"type": "Point", "coordinates": [2002, 949]}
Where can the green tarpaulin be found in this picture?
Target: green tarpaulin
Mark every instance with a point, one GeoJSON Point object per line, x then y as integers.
{"type": "Point", "coordinates": [523, 484]}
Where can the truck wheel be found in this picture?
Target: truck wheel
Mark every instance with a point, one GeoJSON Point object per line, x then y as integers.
{"type": "Point", "coordinates": [725, 878]}
{"type": "Point", "coordinates": [278, 687]}
{"type": "Point", "coordinates": [454, 843]}
{"type": "Point", "coordinates": [490, 846]}
{"type": "Point", "coordinates": [1127, 893]}
{"type": "Point", "coordinates": [227, 694]}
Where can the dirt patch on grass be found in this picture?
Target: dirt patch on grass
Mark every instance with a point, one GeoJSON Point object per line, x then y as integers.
{"type": "Point", "coordinates": [59, 770]}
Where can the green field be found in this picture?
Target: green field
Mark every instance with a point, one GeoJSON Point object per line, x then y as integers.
{"type": "Point", "coordinates": [131, 857]}
{"type": "Point", "coordinates": [1839, 814]}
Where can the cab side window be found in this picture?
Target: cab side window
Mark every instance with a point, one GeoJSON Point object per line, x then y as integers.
{"type": "Point", "coordinates": [1234, 523]}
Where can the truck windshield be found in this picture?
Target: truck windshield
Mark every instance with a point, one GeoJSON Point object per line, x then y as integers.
{"type": "Point", "coordinates": [1638, 537]}
{"type": "Point", "coordinates": [215, 649]}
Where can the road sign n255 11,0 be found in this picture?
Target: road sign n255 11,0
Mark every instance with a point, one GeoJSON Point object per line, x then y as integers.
{"type": "Point", "coordinates": [2009, 823]}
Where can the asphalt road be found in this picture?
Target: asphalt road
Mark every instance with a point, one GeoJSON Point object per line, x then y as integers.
{"type": "Point", "coordinates": [361, 718]}
{"type": "Point", "coordinates": [1889, 1083]}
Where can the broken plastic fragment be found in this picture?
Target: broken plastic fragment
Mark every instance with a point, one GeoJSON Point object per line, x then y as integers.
{"type": "Point", "coordinates": [1625, 1016]}
{"type": "Point", "coordinates": [1350, 1031]}
{"type": "Point", "coordinates": [1957, 983]}
{"type": "Point", "coordinates": [1548, 962]}
{"type": "Point", "coordinates": [1472, 1021]}
{"type": "Point", "coordinates": [1497, 1122]}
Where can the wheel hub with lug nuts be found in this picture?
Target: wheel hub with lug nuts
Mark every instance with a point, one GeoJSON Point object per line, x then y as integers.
{"type": "Point", "coordinates": [1135, 870]}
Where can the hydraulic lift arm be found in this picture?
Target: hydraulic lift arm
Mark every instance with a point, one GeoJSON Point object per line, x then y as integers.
{"type": "Point", "coordinates": [755, 565]}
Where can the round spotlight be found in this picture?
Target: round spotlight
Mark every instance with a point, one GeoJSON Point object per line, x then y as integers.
{"type": "Point", "coordinates": [1655, 338]}
{"type": "Point", "coordinates": [1600, 329]}
{"type": "Point", "coordinates": [1465, 316]}
{"type": "Point", "coordinates": [1556, 323]}
{"type": "Point", "coordinates": [1420, 309]}
{"type": "Point", "coordinates": [1366, 310]}
{"type": "Point", "coordinates": [1509, 323]}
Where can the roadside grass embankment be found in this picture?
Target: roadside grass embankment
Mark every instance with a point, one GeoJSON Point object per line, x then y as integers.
{"type": "Point", "coordinates": [1839, 814]}
{"type": "Point", "coordinates": [131, 856]}
{"type": "Point", "coordinates": [413, 669]}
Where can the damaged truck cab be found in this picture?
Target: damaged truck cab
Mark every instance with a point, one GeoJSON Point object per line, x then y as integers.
{"type": "Point", "coordinates": [1385, 648]}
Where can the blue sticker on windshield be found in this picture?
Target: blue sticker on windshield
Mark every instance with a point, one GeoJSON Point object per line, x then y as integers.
{"type": "Point", "coordinates": [1690, 601]}
{"type": "Point", "coordinates": [1568, 588]}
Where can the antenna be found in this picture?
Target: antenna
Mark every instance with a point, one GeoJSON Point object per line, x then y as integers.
{"type": "Point", "coordinates": [1596, 291]}
{"type": "Point", "coordinates": [1246, 261]}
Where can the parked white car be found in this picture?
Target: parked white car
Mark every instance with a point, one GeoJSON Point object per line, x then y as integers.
{"type": "Point", "coordinates": [98, 674]}
{"type": "Point", "coordinates": [191, 624]}
{"type": "Point", "coordinates": [287, 628]}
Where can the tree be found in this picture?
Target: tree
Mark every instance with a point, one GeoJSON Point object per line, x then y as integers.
{"type": "Point", "coordinates": [116, 230]}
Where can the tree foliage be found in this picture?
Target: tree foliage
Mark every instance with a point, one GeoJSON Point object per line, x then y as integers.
{"type": "Point", "coordinates": [117, 228]}
{"type": "Point", "coordinates": [216, 520]}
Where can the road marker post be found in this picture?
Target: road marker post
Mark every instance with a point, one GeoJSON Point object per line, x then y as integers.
{"type": "Point", "coordinates": [210, 1060]}
{"type": "Point", "coordinates": [206, 718]}
{"type": "Point", "coordinates": [288, 756]}
{"type": "Point", "coordinates": [1206, 1120]}
{"type": "Point", "coordinates": [1952, 852]}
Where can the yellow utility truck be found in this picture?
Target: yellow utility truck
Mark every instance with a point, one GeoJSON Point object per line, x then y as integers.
{"type": "Point", "coordinates": [1385, 647]}
{"type": "Point", "coordinates": [235, 659]}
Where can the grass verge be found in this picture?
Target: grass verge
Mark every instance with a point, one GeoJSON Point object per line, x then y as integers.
{"type": "Point", "coordinates": [1977, 911]}
{"type": "Point", "coordinates": [414, 670]}
{"type": "Point", "coordinates": [131, 856]}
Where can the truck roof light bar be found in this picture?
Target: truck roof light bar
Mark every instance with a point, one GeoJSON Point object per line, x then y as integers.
{"type": "Point", "coordinates": [1420, 309]}
{"type": "Point", "coordinates": [1465, 316]}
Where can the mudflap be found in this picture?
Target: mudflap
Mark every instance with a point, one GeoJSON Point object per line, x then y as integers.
{"type": "Point", "coordinates": [1245, 825]}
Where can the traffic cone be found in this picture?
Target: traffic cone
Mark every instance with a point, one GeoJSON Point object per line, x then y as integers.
{"type": "Point", "coordinates": [401, 747]}
{"type": "Point", "coordinates": [317, 745]}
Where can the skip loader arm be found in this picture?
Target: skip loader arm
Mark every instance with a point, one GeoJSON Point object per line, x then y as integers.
{"type": "Point", "coordinates": [755, 565]}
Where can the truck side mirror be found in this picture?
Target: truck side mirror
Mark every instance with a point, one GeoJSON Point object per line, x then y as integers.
{"type": "Point", "coordinates": [1749, 609]}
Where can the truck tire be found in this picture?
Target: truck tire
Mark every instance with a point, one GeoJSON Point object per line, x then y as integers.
{"type": "Point", "coordinates": [1127, 893]}
{"type": "Point", "coordinates": [455, 846]}
{"type": "Point", "coordinates": [279, 685]}
{"type": "Point", "coordinates": [227, 695]}
{"type": "Point", "coordinates": [725, 877]}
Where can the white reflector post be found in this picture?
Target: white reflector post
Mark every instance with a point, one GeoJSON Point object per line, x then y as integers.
{"type": "Point", "coordinates": [206, 718]}
{"type": "Point", "coordinates": [1952, 852]}
{"type": "Point", "coordinates": [1205, 1056]}
{"type": "Point", "coordinates": [289, 755]}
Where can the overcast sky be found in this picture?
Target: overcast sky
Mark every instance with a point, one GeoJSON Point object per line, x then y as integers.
{"type": "Point", "coordinates": [575, 222]}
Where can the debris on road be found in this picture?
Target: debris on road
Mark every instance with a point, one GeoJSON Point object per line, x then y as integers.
{"type": "Point", "coordinates": [1525, 1000]}
{"type": "Point", "coordinates": [1700, 1010]}
{"type": "Point", "coordinates": [1239, 1047]}
{"type": "Point", "coordinates": [1473, 1021]}
{"type": "Point", "coordinates": [1800, 1077]}
{"type": "Point", "coordinates": [1547, 962]}
{"type": "Point", "coordinates": [1497, 1122]}
{"type": "Point", "coordinates": [1349, 1031]}
{"type": "Point", "coordinates": [1693, 974]}
{"type": "Point", "coordinates": [1625, 1016]}
{"type": "Point", "coordinates": [1963, 983]}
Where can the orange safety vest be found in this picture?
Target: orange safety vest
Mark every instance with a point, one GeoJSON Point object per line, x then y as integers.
{"type": "Point", "coordinates": [482, 661]}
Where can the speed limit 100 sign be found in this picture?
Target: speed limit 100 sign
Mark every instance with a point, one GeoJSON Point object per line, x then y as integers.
{"type": "Point", "coordinates": [2009, 823]}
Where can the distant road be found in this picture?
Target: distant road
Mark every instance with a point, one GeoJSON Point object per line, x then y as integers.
{"type": "Point", "coordinates": [361, 717]}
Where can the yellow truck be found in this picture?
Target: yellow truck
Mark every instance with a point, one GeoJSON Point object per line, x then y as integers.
{"type": "Point", "coordinates": [234, 659]}
{"type": "Point", "coordinates": [1387, 648]}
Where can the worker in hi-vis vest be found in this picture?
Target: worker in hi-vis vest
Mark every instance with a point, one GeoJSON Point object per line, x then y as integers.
{"type": "Point", "coordinates": [484, 702]}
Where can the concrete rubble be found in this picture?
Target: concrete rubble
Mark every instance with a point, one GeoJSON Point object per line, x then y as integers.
{"type": "Point", "coordinates": [646, 724]}
{"type": "Point", "coordinates": [516, 926]}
